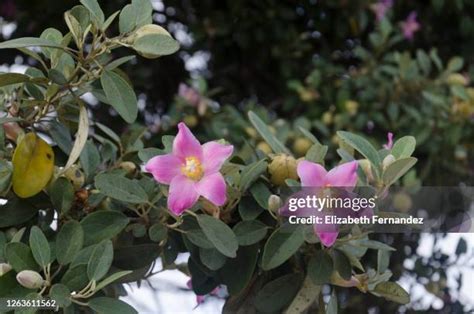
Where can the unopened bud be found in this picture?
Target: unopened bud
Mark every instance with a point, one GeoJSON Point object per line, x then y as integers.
{"type": "Point", "coordinates": [387, 161]}
{"type": "Point", "coordinates": [274, 203]}
{"type": "Point", "coordinates": [352, 107]}
{"type": "Point", "coordinates": [301, 146]}
{"type": "Point", "coordinates": [128, 166]}
{"type": "Point", "coordinates": [264, 147]}
{"type": "Point", "coordinates": [281, 168]}
{"type": "Point", "coordinates": [30, 279]}
{"type": "Point", "coordinates": [4, 268]}
{"type": "Point", "coordinates": [367, 168]}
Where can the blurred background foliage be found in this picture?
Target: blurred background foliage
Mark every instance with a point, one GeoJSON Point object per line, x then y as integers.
{"type": "Point", "coordinates": [324, 65]}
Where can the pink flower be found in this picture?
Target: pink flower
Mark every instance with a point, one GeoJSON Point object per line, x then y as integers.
{"type": "Point", "coordinates": [389, 144]}
{"type": "Point", "coordinates": [200, 298]}
{"type": "Point", "coordinates": [381, 7]}
{"type": "Point", "coordinates": [191, 170]}
{"type": "Point", "coordinates": [410, 26]}
{"type": "Point", "coordinates": [314, 175]}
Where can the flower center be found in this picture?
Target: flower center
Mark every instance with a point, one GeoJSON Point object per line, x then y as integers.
{"type": "Point", "coordinates": [192, 168]}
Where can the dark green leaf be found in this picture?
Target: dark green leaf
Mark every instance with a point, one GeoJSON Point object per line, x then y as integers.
{"type": "Point", "coordinates": [61, 294]}
{"type": "Point", "coordinates": [219, 234]}
{"type": "Point", "coordinates": [19, 256]}
{"type": "Point", "coordinates": [13, 78]}
{"type": "Point", "coordinates": [62, 195]}
{"type": "Point", "coordinates": [120, 188]}
{"type": "Point", "coordinates": [105, 305]}
{"type": "Point", "coordinates": [266, 134]}
{"type": "Point", "coordinates": [342, 264]}
{"type": "Point", "coordinates": [278, 293]}
{"type": "Point", "coordinates": [250, 232]}
{"type": "Point", "coordinates": [120, 95]}
{"type": "Point", "coordinates": [362, 146]}
{"type": "Point", "coordinates": [95, 11]}
{"type": "Point", "coordinates": [393, 292]}
{"type": "Point", "coordinates": [282, 244]}
{"type": "Point", "coordinates": [320, 267]}
{"type": "Point", "coordinates": [100, 260]}
{"type": "Point", "coordinates": [69, 242]}
{"type": "Point", "coordinates": [102, 225]}
{"type": "Point", "coordinates": [40, 246]}
{"type": "Point", "coordinates": [212, 258]}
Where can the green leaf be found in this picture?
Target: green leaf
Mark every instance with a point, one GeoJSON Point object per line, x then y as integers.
{"type": "Point", "coordinates": [393, 292]}
{"type": "Point", "coordinates": [109, 20]}
{"type": "Point", "coordinates": [61, 294]}
{"type": "Point", "coordinates": [105, 305]}
{"type": "Point", "coordinates": [251, 173]}
{"type": "Point", "coordinates": [342, 264]}
{"type": "Point", "coordinates": [127, 19]}
{"type": "Point", "coordinates": [89, 158]}
{"type": "Point", "coordinates": [69, 242]}
{"type": "Point", "coordinates": [404, 147]}
{"type": "Point", "coordinates": [266, 134]}
{"type": "Point", "coordinates": [120, 188]}
{"type": "Point", "coordinates": [115, 276]}
{"type": "Point", "coordinates": [19, 256]}
{"type": "Point", "coordinates": [16, 211]}
{"type": "Point", "coordinates": [100, 260]}
{"type": "Point", "coordinates": [316, 153]}
{"type": "Point", "coordinates": [245, 262]}
{"type": "Point", "coordinates": [28, 42]}
{"type": "Point", "coordinates": [219, 234]}
{"type": "Point", "coordinates": [383, 261]}
{"type": "Point", "coordinates": [62, 195]}
{"type": "Point", "coordinates": [331, 308]}
{"type": "Point", "coordinates": [118, 62]}
{"type": "Point", "coordinates": [75, 278]}
{"type": "Point", "coordinates": [157, 232]}
{"type": "Point", "coordinates": [249, 209]}
{"type": "Point", "coordinates": [102, 225]}
{"type": "Point", "coordinates": [397, 169]}
{"type": "Point", "coordinates": [278, 293]}
{"type": "Point", "coordinates": [261, 193]}
{"type": "Point", "coordinates": [309, 135]}
{"type": "Point", "coordinates": [282, 244]}
{"type": "Point", "coordinates": [136, 256]}
{"type": "Point", "coordinates": [120, 95]}
{"type": "Point", "coordinates": [305, 297]}
{"type": "Point", "coordinates": [212, 258]}
{"type": "Point", "coordinates": [143, 11]}
{"type": "Point", "coordinates": [155, 45]}
{"type": "Point", "coordinates": [13, 78]}
{"type": "Point", "coordinates": [362, 146]}
{"type": "Point", "coordinates": [40, 247]}
{"type": "Point", "coordinates": [95, 11]}
{"type": "Point", "coordinates": [250, 232]}
{"type": "Point", "coordinates": [375, 245]}
{"type": "Point", "coordinates": [320, 267]}
{"type": "Point", "coordinates": [455, 64]}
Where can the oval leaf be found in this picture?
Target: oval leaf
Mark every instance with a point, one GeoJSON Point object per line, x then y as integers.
{"type": "Point", "coordinates": [281, 245]}
{"type": "Point", "coordinates": [40, 246]}
{"type": "Point", "coordinates": [120, 95]}
{"type": "Point", "coordinates": [219, 234]}
{"type": "Point", "coordinates": [69, 242]}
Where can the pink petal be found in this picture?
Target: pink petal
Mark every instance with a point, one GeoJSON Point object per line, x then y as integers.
{"type": "Point", "coordinates": [213, 188]}
{"type": "Point", "coordinates": [214, 155]}
{"type": "Point", "coordinates": [182, 194]}
{"type": "Point", "coordinates": [185, 143]}
{"type": "Point", "coordinates": [327, 238]}
{"type": "Point", "coordinates": [200, 299]}
{"type": "Point", "coordinates": [164, 167]}
{"type": "Point", "coordinates": [344, 175]}
{"type": "Point", "coordinates": [311, 174]}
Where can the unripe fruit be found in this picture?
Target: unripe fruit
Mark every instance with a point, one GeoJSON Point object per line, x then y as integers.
{"type": "Point", "coordinates": [128, 166]}
{"type": "Point", "coordinates": [30, 279]}
{"type": "Point", "coordinates": [264, 147]}
{"type": "Point", "coordinates": [327, 118]}
{"type": "Point", "coordinates": [402, 202]}
{"type": "Point", "coordinates": [274, 203]}
{"type": "Point", "coordinates": [281, 168]}
{"type": "Point", "coordinates": [352, 107]}
{"type": "Point", "coordinates": [75, 175]}
{"type": "Point", "coordinates": [4, 268]}
{"type": "Point", "coordinates": [301, 146]}
{"type": "Point", "coordinates": [251, 132]}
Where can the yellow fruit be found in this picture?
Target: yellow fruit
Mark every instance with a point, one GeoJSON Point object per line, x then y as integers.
{"type": "Point", "coordinates": [75, 175]}
{"type": "Point", "coordinates": [301, 146]}
{"type": "Point", "coordinates": [33, 165]}
{"type": "Point", "coordinates": [282, 167]}
{"type": "Point", "coordinates": [264, 147]}
{"type": "Point", "coordinates": [327, 118]}
{"type": "Point", "coordinates": [352, 107]}
{"type": "Point", "coordinates": [251, 132]}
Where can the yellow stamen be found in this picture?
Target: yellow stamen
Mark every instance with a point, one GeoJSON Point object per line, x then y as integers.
{"type": "Point", "coordinates": [192, 168]}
